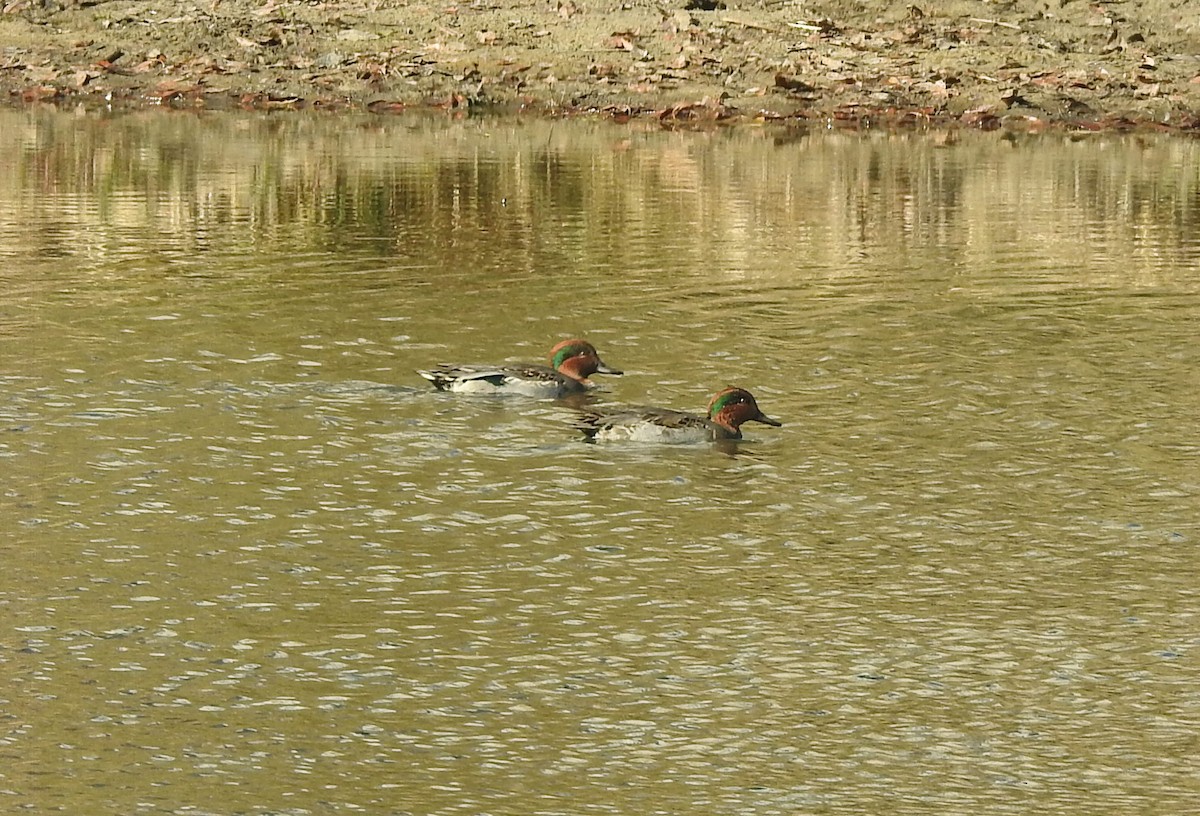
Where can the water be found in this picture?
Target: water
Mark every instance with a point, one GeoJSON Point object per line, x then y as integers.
{"type": "Point", "coordinates": [253, 564]}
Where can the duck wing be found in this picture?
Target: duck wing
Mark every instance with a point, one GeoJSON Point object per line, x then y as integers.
{"type": "Point", "coordinates": [446, 374]}
{"type": "Point", "coordinates": [533, 379]}
{"type": "Point", "coordinates": [593, 422]}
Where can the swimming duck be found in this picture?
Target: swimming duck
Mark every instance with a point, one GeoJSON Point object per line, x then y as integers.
{"type": "Point", "coordinates": [727, 410]}
{"type": "Point", "coordinates": [571, 363]}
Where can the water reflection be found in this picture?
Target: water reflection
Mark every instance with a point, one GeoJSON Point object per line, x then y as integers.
{"type": "Point", "coordinates": [254, 562]}
{"type": "Point", "coordinates": [415, 187]}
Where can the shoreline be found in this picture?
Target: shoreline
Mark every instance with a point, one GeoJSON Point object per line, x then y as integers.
{"type": "Point", "coordinates": [1105, 66]}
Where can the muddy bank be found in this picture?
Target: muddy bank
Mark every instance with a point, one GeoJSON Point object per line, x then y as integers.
{"type": "Point", "coordinates": [1027, 62]}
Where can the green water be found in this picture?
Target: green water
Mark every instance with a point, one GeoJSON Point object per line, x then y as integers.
{"type": "Point", "coordinates": [253, 564]}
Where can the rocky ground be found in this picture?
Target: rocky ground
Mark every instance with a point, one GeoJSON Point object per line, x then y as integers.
{"type": "Point", "coordinates": [1030, 63]}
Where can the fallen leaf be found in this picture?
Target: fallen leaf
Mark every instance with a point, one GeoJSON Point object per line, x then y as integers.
{"type": "Point", "coordinates": [792, 84]}
{"type": "Point", "coordinates": [284, 103]}
{"type": "Point", "coordinates": [621, 113]}
{"type": "Point", "coordinates": [1012, 97]}
{"type": "Point", "coordinates": [42, 74]}
{"type": "Point", "coordinates": [261, 101]}
{"type": "Point", "coordinates": [470, 74]}
{"type": "Point", "coordinates": [171, 90]}
{"type": "Point", "coordinates": [603, 70]}
{"type": "Point", "coordinates": [706, 110]}
{"type": "Point", "coordinates": [40, 93]}
{"type": "Point", "coordinates": [938, 89]}
{"type": "Point", "coordinates": [514, 73]}
{"type": "Point", "coordinates": [385, 106]}
{"type": "Point", "coordinates": [372, 71]}
{"type": "Point", "coordinates": [356, 35]}
{"type": "Point", "coordinates": [624, 40]}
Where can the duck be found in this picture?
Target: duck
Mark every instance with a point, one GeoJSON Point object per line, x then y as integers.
{"type": "Point", "coordinates": [727, 411]}
{"type": "Point", "coordinates": [571, 363]}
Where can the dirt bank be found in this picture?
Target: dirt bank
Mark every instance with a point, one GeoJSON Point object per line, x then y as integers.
{"type": "Point", "coordinates": [1029, 62]}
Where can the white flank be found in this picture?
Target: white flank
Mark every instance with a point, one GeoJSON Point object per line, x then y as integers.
{"type": "Point", "coordinates": [649, 432]}
{"type": "Point", "coordinates": [511, 385]}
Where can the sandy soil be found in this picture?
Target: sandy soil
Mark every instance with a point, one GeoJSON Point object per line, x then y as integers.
{"type": "Point", "coordinates": [1098, 64]}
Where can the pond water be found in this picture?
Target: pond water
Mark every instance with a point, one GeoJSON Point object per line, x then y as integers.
{"type": "Point", "coordinates": [254, 564]}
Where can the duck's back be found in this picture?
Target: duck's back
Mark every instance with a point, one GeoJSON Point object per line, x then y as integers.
{"type": "Point", "coordinates": [525, 380]}
{"type": "Point", "coordinates": [649, 425]}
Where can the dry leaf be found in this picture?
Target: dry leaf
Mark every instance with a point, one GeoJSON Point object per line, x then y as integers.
{"type": "Point", "coordinates": [623, 40]}
{"type": "Point", "coordinates": [706, 110]}
{"type": "Point", "coordinates": [42, 74]}
{"type": "Point", "coordinates": [604, 70]}
{"type": "Point", "coordinates": [792, 84]}
{"type": "Point", "coordinates": [40, 93]}
{"type": "Point", "coordinates": [385, 106]}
